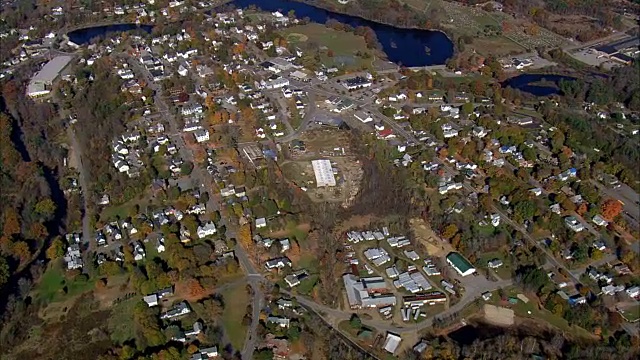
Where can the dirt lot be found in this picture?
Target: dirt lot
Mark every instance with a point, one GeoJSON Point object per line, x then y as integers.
{"type": "Point", "coordinates": [428, 238]}
{"type": "Point", "coordinates": [499, 315]}
{"type": "Point", "coordinates": [332, 145]}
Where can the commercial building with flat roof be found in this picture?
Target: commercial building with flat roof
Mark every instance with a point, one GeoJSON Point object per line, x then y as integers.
{"type": "Point", "coordinates": [324, 173]}
{"type": "Point", "coordinates": [367, 292]}
{"type": "Point", "coordinates": [460, 264]}
{"type": "Point", "coordinates": [40, 83]}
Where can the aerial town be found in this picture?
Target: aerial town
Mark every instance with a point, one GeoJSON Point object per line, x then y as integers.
{"type": "Point", "coordinates": [324, 179]}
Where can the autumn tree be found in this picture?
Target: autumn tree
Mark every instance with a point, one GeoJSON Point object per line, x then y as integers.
{"type": "Point", "coordinates": [449, 231]}
{"type": "Point", "coordinates": [45, 209]}
{"type": "Point", "coordinates": [11, 225]}
{"type": "Point", "coordinates": [244, 236]}
{"type": "Point", "coordinates": [21, 250]}
{"type": "Point", "coordinates": [146, 327]}
{"type": "Point", "coordinates": [611, 208]}
{"type": "Point", "coordinates": [56, 249]}
{"type": "Point", "coordinates": [4, 271]}
{"type": "Point", "coordinates": [195, 289]}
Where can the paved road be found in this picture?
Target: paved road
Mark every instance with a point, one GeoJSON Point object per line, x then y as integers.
{"type": "Point", "coordinates": [255, 279]}
{"type": "Point", "coordinates": [383, 325]}
{"type": "Point", "coordinates": [308, 118]}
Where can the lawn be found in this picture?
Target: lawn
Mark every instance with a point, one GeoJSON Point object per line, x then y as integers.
{"type": "Point", "coordinates": [530, 310]}
{"type": "Point", "coordinates": [236, 300]}
{"type": "Point", "coordinates": [344, 45]}
{"type": "Point", "coordinates": [120, 322]}
{"type": "Point", "coordinates": [54, 286]}
{"type": "Point", "coordinates": [504, 272]}
{"type": "Point", "coordinates": [309, 262]}
{"type": "Point", "coordinates": [306, 286]}
{"type": "Point", "coordinates": [121, 211]}
{"type": "Point", "coordinates": [631, 313]}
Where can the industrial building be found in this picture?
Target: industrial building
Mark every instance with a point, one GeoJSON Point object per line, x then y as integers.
{"type": "Point", "coordinates": [40, 84]}
{"type": "Point", "coordinates": [461, 265]}
{"type": "Point", "coordinates": [324, 173]}
{"type": "Point", "coordinates": [367, 292]}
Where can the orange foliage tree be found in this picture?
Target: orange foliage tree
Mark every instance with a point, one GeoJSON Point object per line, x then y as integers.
{"type": "Point", "coordinates": [611, 208]}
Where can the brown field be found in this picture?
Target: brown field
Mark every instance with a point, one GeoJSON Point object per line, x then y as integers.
{"type": "Point", "coordinates": [428, 238]}
{"type": "Point", "coordinates": [499, 315]}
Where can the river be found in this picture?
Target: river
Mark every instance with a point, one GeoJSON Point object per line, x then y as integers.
{"type": "Point", "coordinates": [407, 47]}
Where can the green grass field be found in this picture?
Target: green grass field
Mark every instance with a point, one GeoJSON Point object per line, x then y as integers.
{"type": "Point", "coordinates": [631, 313]}
{"type": "Point", "coordinates": [54, 286]}
{"type": "Point", "coordinates": [120, 323]}
{"type": "Point", "coordinates": [530, 310]}
{"type": "Point", "coordinates": [343, 45]}
{"type": "Point", "coordinates": [236, 300]}
{"type": "Point", "coordinates": [504, 272]}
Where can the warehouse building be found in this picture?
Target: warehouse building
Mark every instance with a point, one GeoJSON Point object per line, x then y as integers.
{"type": "Point", "coordinates": [324, 173]}
{"type": "Point", "coordinates": [40, 84]}
{"type": "Point", "coordinates": [460, 264]}
{"type": "Point", "coordinates": [367, 292]}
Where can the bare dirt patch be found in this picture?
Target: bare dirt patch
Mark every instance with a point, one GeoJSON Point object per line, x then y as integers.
{"type": "Point", "coordinates": [499, 315]}
{"type": "Point", "coordinates": [428, 238]}
{"type": "Point", "coordinates": [328, 144]}
{"type": "Point", "coordinates": [356, 221]}
{"type": "Point", "coordinates": [115, 289]}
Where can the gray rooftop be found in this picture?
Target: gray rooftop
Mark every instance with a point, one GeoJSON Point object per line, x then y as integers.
{"type": "Point", "coordinates": [52, 69]}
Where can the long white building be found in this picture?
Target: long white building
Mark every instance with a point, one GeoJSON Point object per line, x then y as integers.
{"type": "Point", "coordinates": [324, 173]}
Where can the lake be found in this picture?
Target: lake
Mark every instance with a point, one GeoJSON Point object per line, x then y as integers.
{"type": "Point", "coordinates": [401, 46]}
{"type": "Point", "coordinates": [528, 83]}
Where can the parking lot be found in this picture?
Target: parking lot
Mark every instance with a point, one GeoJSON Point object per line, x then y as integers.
{"type": "Point", "coordinates": [590, 57]}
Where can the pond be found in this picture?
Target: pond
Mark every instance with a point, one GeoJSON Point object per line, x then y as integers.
{"type": "Point", "coordinates": [408, 47]}
{"type": "Point", "coordinates": [84, 36]}
{"type": "Point", "coordinates": [534, 83]}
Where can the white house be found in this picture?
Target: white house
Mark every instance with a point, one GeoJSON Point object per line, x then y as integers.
{"type": "Point", "coordinates": [261, 222]}
{"type": "Point", "coordinates": [633, 291]}
{"type": "Point", "coordinates": [207, 229]}
{"type": "Point", "coordinates": [201, 135]}
{"type": "Point", "coordinates": [599, 220]}
{"type": "Point", "coordinates": [573, 224]}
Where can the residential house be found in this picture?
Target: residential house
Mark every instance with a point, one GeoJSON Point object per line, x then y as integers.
{"type": "Point", "coordinates": [138, 251]}
{"type": "Point", "coordinates": [572, 223]}
{"type": "Point", "coordinates": [151, 300]}
{"type": "Point", "coordinates": [599, 220]}
{"type": "Point", "coordinates": [277, 263]}
{"type": "Point", "coordinates": [207, 229]}
{"type": "Point", "coordinates": [201, 135]}
{"type": "Point", "coordinates": [280, 321]}
{"type": "Point", "coordinates": [633, 292]}
{"type": "Point", "coordinates": [177, 311]}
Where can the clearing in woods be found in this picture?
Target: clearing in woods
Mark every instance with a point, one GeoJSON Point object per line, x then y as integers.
{"type": "Point", "coordinates": [427, 237]}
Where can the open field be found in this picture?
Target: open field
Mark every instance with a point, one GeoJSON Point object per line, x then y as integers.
{"type": "Point", "coordinates": [54, 286]}
{"type": "Point", "coordinates": [499, 315]}
{"type": "Point", "coordinates": [344, 45]}
{"type": "Point", "coordinates": [530, 310]}
{"type": "Point", "coordinates": [428, 238]}
{"type": "Point", "coordinates": [236, 300]}
{"type": "Point", "coordinates": [504, 272]}
{"type": "Point", "coordinates": [630, 313]}
{"type": "Point", "coordinates": [120, 322]}
{"type": "Point", "coordinates": [329, 144]}
{"type": "Point", "coordinates": [498, 46]}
